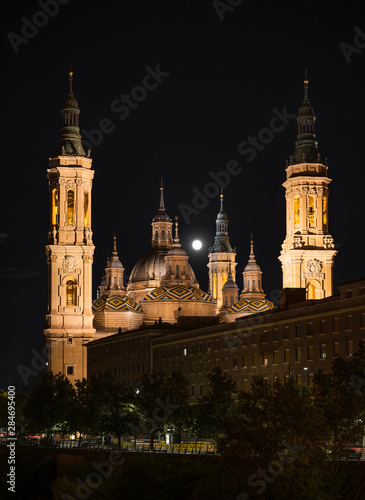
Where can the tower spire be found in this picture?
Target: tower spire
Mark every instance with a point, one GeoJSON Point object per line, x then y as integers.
{"type": "Point", "coordinates": [306, 146]}
{"type": "Point", "coordinates": [162, 201]}
{"type": "Point", "coordinates": [221, 240]}
{"type": "Point", "coordinates": [70, 140]}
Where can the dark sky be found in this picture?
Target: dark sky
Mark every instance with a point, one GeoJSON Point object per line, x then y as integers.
{"type": "Point", "coordinates": [224, 77]}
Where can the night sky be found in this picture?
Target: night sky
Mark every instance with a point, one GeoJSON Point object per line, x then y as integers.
{"type": "Point", "coordinates": [225, 72]}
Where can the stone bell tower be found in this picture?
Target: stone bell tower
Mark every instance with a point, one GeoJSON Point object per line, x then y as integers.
{"type": "Point", "coordinates": [70, 249]}
{"type": "Point", "coordinates": [307, 255]}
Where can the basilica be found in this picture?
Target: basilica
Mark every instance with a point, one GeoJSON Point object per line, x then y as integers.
{"type": "Point", "coordinates": [162, 287]}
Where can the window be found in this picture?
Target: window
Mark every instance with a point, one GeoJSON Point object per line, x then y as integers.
{"type": "Point", "coordinates": [245, 385]}
{"type": "Point", "coordinates": [275, 334]}
{"type": "Point", "coordinates": [69, 340]}
{"type": "Point", "coordinates": [200, 346]}
{"type": "Point", "coordinates": [192, 390]}
{"type": "Point", "coordinates": [200, 389]}
{"type": "Point", "coordinates": [177, 270]}
{"type": "Point", "coordinates": [265, 359]}
{"type": "Point", "coordinates": [325, 212]}
{"type": "Point", "coordinates": [162, 234]}
{"type": "Point", "coordinates": [286, 355]}
{"type": "Point", "coordinates": [335, 324]}
{"type": "Point", "coordinates": [208, 345]}
{"type": "Point", "coordinates": [163, 354]}
{"type": "Point", "coordinates": [298, 331]}
{"type": "Point", "coordinates": [200, 366]}
{"type": "Point", "coordinates": [185, 351]}
{"type": "Point", "coordinates": [311, 211]}
{"type": "Point", "coordinates": [86, 209]}
{"type": "Point", "coordinates": [336, 349]}
{"type": "Point", "coordinates": [244, 361]}
{"type": "Point", "coordinates": [254, 359]}
{"type": "Point", "coordinates": [296, 210]}
{"type": "Point", "coordinates": [310, 329]}
{"type": "Point", "coordinates": [286, 333]}
{"type": "Point", "coordinates": [235, 364]}
{"type": "Point", "coordinates": [275, 357]}
{"type": "Point", "coordinates": [298, 354]}
{"type": "Point", "coordinates": [299, 379]}
{"type": "Point", "coordinates": [310, 353]}
{"type": "Point", "coordinates": [226, 343]}
{"type": "Point", "coordinates": [70, 206]}
{"type": "Point", "coordinates": [156, 235]}
{"type": "Point", "coordinates": [217, 345]}
{"type": "Point", "coordinates": [226, 363]}
{"type": "Point", "coordinates": [323, 351]}
{"type": "Point", "coordinates": [349, 322]}
{"type": "Point", "coordinates": [311, 375]}
{"type": "Point", "coordinates": [350, 347]}
{"type": "Point", "coordinates": [192, 367]}
{"type": "Point", "coordinates": [69, 370]}
{"type": "Point", "coordinates": [254, 338]}
{"type": "Point", "coordinates": [54, 207]}
{"type": "Point", "coordinates": [264, 336]}
{"type": "Point", "coordinates": [323, 326]}
{"type": "Point", "coordinates": [71, 292]}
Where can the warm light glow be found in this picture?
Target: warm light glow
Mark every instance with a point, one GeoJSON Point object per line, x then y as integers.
{"type": "Point", "coordinates": [296, 210]}
{"type": "Point", "coordinates": [54, 207]}
{"type": "Point", "coordinates": [70, 206]}
{"type": "Point", "coordinates": [325, 212]}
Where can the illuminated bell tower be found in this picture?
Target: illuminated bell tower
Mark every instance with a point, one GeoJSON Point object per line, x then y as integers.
{"type": "Point", "coordinates": [221, 258]}
{"type": "Point", "coordinates": [307, 255]}
{"type": "Point", "coordinates": [70, 249]}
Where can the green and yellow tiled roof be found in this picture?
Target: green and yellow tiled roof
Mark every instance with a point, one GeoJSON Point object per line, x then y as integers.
{"type": "Point", "coordinates": [177, 293]}
{"type": "Point", "coordinates": [250, 306]}
{"type": "Point", "coordinates": [115, 303]}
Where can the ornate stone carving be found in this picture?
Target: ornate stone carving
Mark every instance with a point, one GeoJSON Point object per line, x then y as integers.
{"type": "Point", "coordinates": [69, 264]}
{"type": "Point", "coordinates": [328, 242]}
{"type": "Point", "coordinates": [313, 269]}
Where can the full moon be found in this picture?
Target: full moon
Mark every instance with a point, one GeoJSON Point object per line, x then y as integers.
{"type": "Point", "coordinates": [197, 244]}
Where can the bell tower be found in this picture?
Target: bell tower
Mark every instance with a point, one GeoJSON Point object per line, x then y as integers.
{"type": "Point", "coordinates": [307, 255]}
{"type": "Point", "coordinates": [222, 258]}
{"type": "Point", "coordinates": [70, 249]}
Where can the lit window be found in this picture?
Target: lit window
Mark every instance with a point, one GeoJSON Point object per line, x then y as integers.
{"type": "Point", "coordinates": [54, 207]}
{"type": "Point", "coordinates": [325, 212]}
{"type": "Point", "coordinates": [286, 356]}
{"type": "Point", "coordinates": [70, 206]}
{"type": "Point", "coordinates": [86, 209]}
{"type": "Point", "coordinates": [311, 211]}
{"type": "Point", "coordinates": [296, 210]}
{"type": "Point", "coordinates": [71, 292]}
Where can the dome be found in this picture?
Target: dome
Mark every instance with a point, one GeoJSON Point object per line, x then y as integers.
{"type": "Point", "coordinates": [230, 285]}
{"type": "Point", "coordinates": [115, 303]}
{"type": "Point", "coordinates": [152, 264]}
{"type": "Point", "coordinates": [251, 306]}
{"type": "Point", "coordinates": [252, 266]}
{"type": "Point", "coordinates": [70, 102]}
{"type": "Point", "coordinates": [177, 293]}
{"type": "Point", "coordinates": [161, 216]}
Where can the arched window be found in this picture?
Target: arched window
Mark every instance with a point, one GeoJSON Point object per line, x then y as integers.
{"type": "Point", "coordinates": [86, 209]}
{"type": "Point", "coordinates": [296, 210]}
{"type": "Point", "coordinates": [214, 286]}
{"type": "Point", "coordinates": [71, 292]}
{"type": "Point", "coordinates": [54, 207]}
{"type": "Point", "coordinates": [311, 211]}
{"type": "Point", "coordinates": [156, 235]}
{"type": "Point", "coordinates": [311, 291]}
{"type": "Point", "coordinates": [70, 206]}
{"type": "Point", "coordinates": [162, 234]}
{"type": "Point", "coordinates": [325, 212]}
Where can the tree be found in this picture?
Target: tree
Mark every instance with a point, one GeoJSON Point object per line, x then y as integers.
{"type": "Point", "coordinates": [163, 402]}
{"type": "Point", "coordinates": [278, 437]}
{"type": "Point", "coordinates": [112, 405]}
{"type": "Point", "coordinates": [50, 405]}
{"type": "Point", "coordinates": [207, 415]}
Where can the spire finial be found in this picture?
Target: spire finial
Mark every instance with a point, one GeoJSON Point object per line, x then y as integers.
{"type": "Point", "coordinates": [114, 244]}
{"type": "Point", "coordinates": [306, 81]}
{"type": "Point", "coordinates": [162, 201]}
{"type": "Point", "coordinates": [177, 228]}
{"type": "Point", "coordinates": [252, 255]}
{"type": "Point", "coordinates": [70, 75]}
{"type": "Point", "coordinates": [221, 197]}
